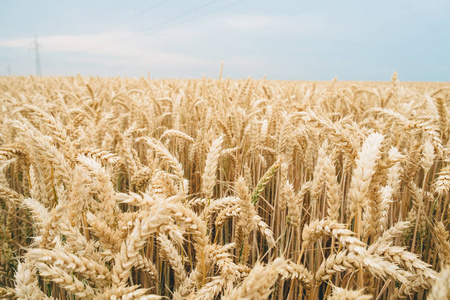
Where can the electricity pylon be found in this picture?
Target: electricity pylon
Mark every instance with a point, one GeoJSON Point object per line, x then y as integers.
{"type": "Point", "coordinates": [38, 61]}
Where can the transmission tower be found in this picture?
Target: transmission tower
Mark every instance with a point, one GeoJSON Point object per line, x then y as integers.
{"type": "Point", "coordinates": [38, 61]}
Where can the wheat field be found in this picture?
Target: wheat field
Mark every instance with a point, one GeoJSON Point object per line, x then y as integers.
{"type": "Point", "coordinates": [114, 188]}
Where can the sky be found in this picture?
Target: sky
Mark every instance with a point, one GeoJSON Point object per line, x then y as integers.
{"type": "Point", "coordinates": [283, 40]}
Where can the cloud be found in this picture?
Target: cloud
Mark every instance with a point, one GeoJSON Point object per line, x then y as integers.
{"type": "Point", "coordinates": [249, 22]}
{"type": "Point", "coordinates": [128, 43]}
{"type": "Point", "coordinates": [305, 24]}
{"type": "Point", "coordinates": [192, 48]}
{"type": "Point", "coordinates": [68, 43]}
{"type": "Point", "coordinates": [109, 43]}
{"type": "Point", "coordinates": [116, 48]}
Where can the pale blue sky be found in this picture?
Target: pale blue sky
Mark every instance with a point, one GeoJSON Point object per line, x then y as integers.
{"type": "Point", "coordinates": [286, 40]}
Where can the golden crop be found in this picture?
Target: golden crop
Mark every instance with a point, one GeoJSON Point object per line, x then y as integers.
{"type": "Point", "coordinates": [234, 189]}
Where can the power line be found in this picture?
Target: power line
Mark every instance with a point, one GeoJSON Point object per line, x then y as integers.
{"type": "Point", "coordinates": [140, 13]}
{"type": "Point", "coordinates": [179, 16]}
{"type": "Point", "coordinates": [205, 14]}
{"type": "Point", "coordinates": [157, 25]}
{"type": "Point", "coordinates": [208, 13]}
